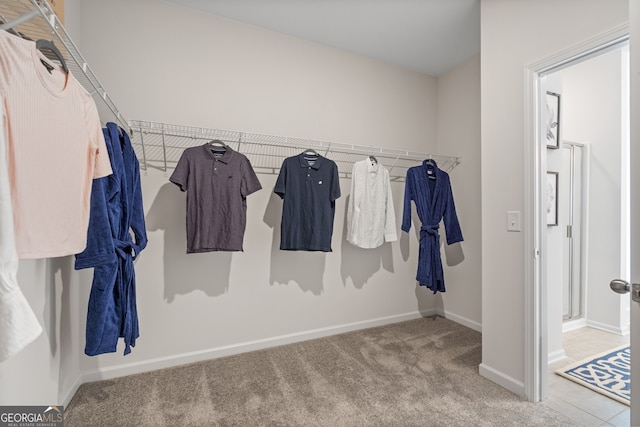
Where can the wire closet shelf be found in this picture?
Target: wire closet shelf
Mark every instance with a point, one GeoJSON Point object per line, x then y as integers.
{"type": "Point", "coordinates": [160, 145]}
{"type": "Point", "coordinates": [35, 20]}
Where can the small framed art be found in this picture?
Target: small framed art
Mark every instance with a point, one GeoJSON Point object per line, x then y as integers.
{"type": "Point", "coordinates": [553, 120]}
{"type": "Point", "coordinates": [552, 198]}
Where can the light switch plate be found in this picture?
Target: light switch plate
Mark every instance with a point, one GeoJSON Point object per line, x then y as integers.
{"type": "Point", "coordinates": [513, 221]}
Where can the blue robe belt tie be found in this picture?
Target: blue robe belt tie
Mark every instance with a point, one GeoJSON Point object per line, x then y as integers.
{"type": "Point", "coordinates": [429, 262]}
{"type": "Point", "coordinates": [127, 289]}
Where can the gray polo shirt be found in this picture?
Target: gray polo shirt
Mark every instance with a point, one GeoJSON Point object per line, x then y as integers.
{"type": "Point", "coordinates": [217, 187]}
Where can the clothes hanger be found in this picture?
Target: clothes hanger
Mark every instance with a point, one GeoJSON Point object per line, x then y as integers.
{"type": "Point", "coordinates": [217, 147]}
{"type": "Point", "coordinates": [373, 159]}
{"type": "Point", "coordinates": [431, 164]}
{"type": "Point", "coordinates": [216, 143]}
{"type": "Point", "coordinates": [310, 152]}
{"type": "Point", "coordinates": [43, 44]}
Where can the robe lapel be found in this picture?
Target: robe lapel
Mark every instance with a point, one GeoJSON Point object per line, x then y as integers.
{"type": "Point", "coordinates": [432, 195]}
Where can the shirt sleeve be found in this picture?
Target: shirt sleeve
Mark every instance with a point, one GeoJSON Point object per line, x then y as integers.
{"type": "Point", "coordinates": [180, 175]}
{"type": "Point", "coordinates": [352, 201]}
{"type": "Point", "coordinates": [335, 183]}
{"type": "Point", "coordinates": [390, 234]}
{"type": "Point", "coordinates": [6, 56]}
{"type": "Point", "coordinates": [281, 182]}
{"type": "Point", "coordinates": [102, 163]}
{"type": "Point", "coordinates": [450, 219]}
{"type": "Point", "coordinates": [100, 249]}
{"type": "Point", "coordinates": [137, 224]}
{"type": "Point", "coordinates": [250, 183]}
{"type": "Point", "coordinates": [408, 196]}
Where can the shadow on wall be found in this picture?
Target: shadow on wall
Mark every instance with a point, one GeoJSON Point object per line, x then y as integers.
{"type": "Point", "coordinates": [185, 273]}
{"type": "Point", "coordinates": [305, 268]}
{"type": "Point", "coordinates": [453, 254]}
{"type": "Point", "coordinates": [405, 237]}
{"type": "Point", "coordinates": [425, 297]}
{"type": "Point", "coordinates": [57, 300]}
{"type": "Point", "coordinates": [57, 311]}
{"type": "Point", "coordinates": [360, 264]}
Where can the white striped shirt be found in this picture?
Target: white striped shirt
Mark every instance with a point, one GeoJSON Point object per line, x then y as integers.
{"type": "Point", "coordinates": [371, 220]}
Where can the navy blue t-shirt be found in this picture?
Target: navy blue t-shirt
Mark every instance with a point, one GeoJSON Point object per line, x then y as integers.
{"type": "Point", "coordinates": [309, 186]}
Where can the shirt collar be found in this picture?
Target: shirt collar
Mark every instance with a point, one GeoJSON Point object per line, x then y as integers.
{"type": "Point", "coordinates": [305, 164]}
{"type": "Point", "coordinates": [372, 167]}
{"type": "Point", "coordinates": [226, 157]}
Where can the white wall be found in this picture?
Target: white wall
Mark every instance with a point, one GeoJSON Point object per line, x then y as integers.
{"type": "Point", "coordinates": [594, 92]}
{"type": "Point", "coordinates": [459, 134]}
{"type": "Point", "coordinates": [515, 34]}
{"type": "Point", "coordinates": [202, 70]}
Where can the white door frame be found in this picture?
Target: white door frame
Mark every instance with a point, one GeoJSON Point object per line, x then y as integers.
{"type": "Point", "coordinates": [535, 310]}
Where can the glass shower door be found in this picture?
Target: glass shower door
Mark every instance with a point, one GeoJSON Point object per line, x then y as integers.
{"type": "Point", "coordinates": [571, 195]}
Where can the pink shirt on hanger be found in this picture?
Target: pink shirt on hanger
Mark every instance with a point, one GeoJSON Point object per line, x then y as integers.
{"type": "Point", "coordinates": [55, 149]}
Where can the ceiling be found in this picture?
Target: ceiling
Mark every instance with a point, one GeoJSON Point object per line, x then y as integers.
{"type": "Point", "coordinates": [428, 36]}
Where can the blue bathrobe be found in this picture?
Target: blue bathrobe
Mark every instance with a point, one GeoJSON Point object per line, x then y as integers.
{"type": "Point", "coordinates": [430, 189]}
{"type": "Point", "coordinates": [116, 236]}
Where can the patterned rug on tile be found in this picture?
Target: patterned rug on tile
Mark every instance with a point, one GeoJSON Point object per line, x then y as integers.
{"type": "Point", "coordinates": [607, 373]}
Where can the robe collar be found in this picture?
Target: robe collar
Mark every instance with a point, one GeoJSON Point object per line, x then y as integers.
{"type": "Point", "coordinates": [432, 165]}
{"type": "Point", "coordinates": [437, 173]}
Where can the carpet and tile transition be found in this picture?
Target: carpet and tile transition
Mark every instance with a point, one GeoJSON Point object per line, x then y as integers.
{"type": "Point", "coordinates": [422, 372]}
{"type": "Point", "coordinates": [608, 373]}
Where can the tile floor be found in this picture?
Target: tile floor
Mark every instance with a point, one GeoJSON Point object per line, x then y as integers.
{"type": "Point", "coordinates": [575, 401]}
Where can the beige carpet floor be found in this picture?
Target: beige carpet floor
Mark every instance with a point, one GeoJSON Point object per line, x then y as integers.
{"type": "Point", "coordinates": [418, 373]}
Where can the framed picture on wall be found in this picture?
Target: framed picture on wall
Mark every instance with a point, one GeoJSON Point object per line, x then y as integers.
{"type": "Point", "coordinates": [552, 198]}
{"type": "Point", "coordinates": [553, 120]}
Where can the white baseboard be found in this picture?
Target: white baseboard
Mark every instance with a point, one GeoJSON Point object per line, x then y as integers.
{"type": "Point", "coordinates": [572, 325]}
{"type": "Point", "coordinates": [198, 356]}
{"type": "Point", "coordinates": [72, 391]}
{"type": "Point", "coordinates": [502, 379]}
{"type": "Point", "coordinates": [471, 324]}
{"type": "Point", "coordinates": [556, 356]}
{"type": "Point", "coordinates": [608, 328]}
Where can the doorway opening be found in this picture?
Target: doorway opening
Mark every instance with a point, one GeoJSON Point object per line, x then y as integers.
{"type": "Point", "coordinates": [587, 245]}
{"type": "Point", "coordinates": [549, 306]}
